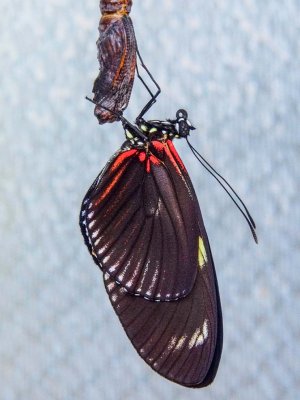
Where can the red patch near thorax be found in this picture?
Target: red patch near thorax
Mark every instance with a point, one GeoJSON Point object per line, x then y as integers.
{"type": "Point", "coordinates": [148, 159]}
{"type": "Point", "coordinates": [172, 150]}
{"type": "Point", "coordinates": [121, 158]}
{"type": "Point", "coordinates": [158, 146]}
{"type": "Point", "coordinates": [142, 156]}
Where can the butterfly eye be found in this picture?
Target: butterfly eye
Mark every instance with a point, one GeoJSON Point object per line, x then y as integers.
{"type": "Point", "coordinates": [181, 114]}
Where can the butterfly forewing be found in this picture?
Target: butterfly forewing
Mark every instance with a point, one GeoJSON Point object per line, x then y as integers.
{"type": "Point", "coordinates": [139, 228]}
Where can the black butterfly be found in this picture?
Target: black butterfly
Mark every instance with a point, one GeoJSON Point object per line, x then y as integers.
{"type": "Point", "coordinates": [142, 224]}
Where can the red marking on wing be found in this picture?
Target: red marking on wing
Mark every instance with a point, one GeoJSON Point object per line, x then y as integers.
{"type": "Point", "coordinates": [154, 160]}
{"type": "Point", "coordinates": [159, 147]}
{"type": "Point", "coordinates": [150, 159]}
{"type": "Point", "coordinates": [148, 167]}
{"type": "Point", "coordinates": [111, 185]}
{"type": "Point", "coordinates": [172, 150]}
{"type": "Point", "coordinates": [121, 158]}
{"type": "Point", "coordinates": [142, 156]}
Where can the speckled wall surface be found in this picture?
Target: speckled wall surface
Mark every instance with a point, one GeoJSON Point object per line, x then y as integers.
{"type": "Point", "coordinates": [235, 66]}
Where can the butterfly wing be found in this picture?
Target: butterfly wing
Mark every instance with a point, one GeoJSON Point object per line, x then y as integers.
{"type": "Point", "coordinates": [140, 225]}
{"type": "Point", "coordinates": [117, 59]}
{"type": "Point", "coordinates": [181, 340]}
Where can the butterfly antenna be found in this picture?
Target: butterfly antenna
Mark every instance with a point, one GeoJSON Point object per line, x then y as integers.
{"type": "Point", "coordinates": [222, 181]}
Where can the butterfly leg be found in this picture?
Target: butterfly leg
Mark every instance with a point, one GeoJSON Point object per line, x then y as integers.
{"type": "Point", "coordinates": [153, 96]}
{"type": "Point", "coordinates": [125, 122]}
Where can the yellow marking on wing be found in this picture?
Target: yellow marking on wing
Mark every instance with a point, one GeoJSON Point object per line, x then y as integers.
{"type": "Point", "coordinates": [202, 255]}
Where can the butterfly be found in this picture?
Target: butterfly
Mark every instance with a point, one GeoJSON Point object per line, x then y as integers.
{"type": "Point", "coordinates": [142, 224]}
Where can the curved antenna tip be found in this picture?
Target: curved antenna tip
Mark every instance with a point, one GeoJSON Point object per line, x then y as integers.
{"type": "Point", "coordinates": [254, 236]}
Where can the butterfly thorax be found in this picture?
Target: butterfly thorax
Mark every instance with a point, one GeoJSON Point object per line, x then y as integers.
{"type": "Point", "coordinates": [144, 132]}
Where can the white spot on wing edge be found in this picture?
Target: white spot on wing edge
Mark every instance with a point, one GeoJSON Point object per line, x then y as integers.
{"type": "Point", "coordinates": [111, 269]}
{"type": "Point", "coordinates": [205, 329]}
{"type": "Point", "coordinates": [198, 338]}
{"type": "Point", "coordinates": [111, 286]}
{"type": "Point", "coordinates": [95, 234]}
{"type": "Point", "coordinates": [194, 338]}
{"type": "Point", "coordinates": [130, 283]}
{"type": "Point", "coordinates": [180, 342]}
{"type": "Point", "coordinates": [114, 298]}
{"type": "Point", "coordinates": [172, 342]}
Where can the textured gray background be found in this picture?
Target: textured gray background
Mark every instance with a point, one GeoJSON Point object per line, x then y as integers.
{"type": "Point", "coordinates": [235, 66]}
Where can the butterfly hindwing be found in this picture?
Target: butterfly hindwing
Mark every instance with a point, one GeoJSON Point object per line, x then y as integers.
{"type": "Point", "coordinates": [182, 339]}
